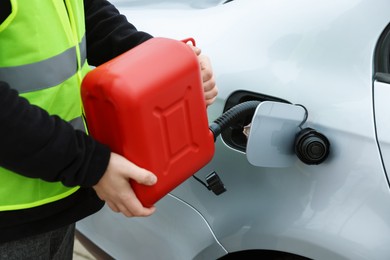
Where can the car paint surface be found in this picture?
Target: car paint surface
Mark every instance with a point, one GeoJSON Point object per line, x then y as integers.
{"type": "Point", "coordinates": [319, 54]}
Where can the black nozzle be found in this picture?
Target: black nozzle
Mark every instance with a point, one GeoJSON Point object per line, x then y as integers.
{"type": "Point", "coordinates": [232, 115]}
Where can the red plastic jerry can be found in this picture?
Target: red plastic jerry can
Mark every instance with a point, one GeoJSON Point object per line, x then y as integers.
{"type": "Point", "coordinates": [148, 105]}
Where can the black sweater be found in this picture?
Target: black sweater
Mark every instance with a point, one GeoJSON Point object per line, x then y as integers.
{"type": "Point", "coordinates": [35, 144]}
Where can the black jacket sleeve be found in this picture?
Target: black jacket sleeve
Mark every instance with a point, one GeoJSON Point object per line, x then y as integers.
{"type": "Point", "coordinates": [5, 10]}
{"type": "Point", "coordinates": [37, 145]}
{"type": "Point", "coordinates": [108, 32]}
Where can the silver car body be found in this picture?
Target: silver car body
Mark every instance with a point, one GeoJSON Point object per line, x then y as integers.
{"type": "Point", "coordinates": [317, 53]}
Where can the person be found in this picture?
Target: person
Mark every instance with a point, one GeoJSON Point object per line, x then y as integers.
{"type": "Point", "coordinates": [52, 173]}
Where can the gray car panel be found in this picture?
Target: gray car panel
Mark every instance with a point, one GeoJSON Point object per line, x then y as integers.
{"type": "Point", "coordinates": [319, 54]}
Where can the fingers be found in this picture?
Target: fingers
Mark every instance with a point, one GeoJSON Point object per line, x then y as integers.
{"type": "Point", "coordinates": [211, 94]}
{"type": "Point", "coordinates": [209, 86]}
{"type": "Point", "coordinates": [132, 207]}
{"type": "Point", "coordinates": [205, 67]}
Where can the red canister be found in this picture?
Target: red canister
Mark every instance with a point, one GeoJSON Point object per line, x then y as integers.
{"type": "Point", "coordinates": [148, 105]}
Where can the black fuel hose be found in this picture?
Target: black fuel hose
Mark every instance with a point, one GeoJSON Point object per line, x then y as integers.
{"type": "Point", "coordinates": [232, 115]}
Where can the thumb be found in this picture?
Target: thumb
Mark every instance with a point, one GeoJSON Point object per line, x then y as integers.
{"type": "Point", "coordinates": [141, 175]}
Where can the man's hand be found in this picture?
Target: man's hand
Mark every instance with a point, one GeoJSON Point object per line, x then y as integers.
{"type": "Point", "coordinates": [114, 187]}
{"type": "Point", "coordinates": [210, 89]}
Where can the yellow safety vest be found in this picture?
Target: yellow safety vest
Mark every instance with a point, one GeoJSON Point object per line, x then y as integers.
{"type": "Point", "coordinates": [43, 56]}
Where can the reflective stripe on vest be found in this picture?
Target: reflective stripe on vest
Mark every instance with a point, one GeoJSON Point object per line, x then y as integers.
{"type": "Point", "coordinates": [45, 60]}
{"type": "Point", "coordinates": [27, 78]}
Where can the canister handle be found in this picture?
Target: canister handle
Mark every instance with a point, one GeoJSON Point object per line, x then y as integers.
{"type": "Point", "coordinates": [186, 40]}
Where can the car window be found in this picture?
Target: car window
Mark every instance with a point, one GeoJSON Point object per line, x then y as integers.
{"type": "Point", "coordinates": [382, 56]}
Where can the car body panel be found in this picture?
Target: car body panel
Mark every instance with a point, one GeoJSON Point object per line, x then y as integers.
{"type": "Point", "coordinates": [319, 54]}
{"type": "Point", "coordinates": [175, 231]}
